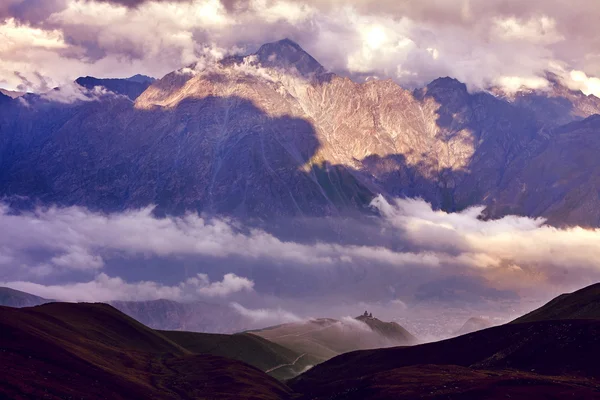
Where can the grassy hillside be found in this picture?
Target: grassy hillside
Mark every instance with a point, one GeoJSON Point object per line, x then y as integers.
{"type": "Point", "coordinates": [551, 357]}
{"type": "Point", "coordinates": [280, 362]}
{"type": "Point", "coordinates": [93, 351]}
{"type": "Point", "coordinates": [582, 304]}
{"type": "Point", "coordinates": [15, 298]}
{"type": "Point", "coordinates": [326, 338]}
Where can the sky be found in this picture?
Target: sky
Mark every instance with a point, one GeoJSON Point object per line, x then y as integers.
{"type": "Point", "coordinates": [508, 43]}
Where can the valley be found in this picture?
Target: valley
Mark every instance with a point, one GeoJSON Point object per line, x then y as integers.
{"type": "Point", "coordinates": [63, 349]}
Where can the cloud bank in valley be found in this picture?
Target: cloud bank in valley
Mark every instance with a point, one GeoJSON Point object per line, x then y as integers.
{"type": "Point", "coordinates": [436, 255]}
{"type": "Point", "coordinates": [510, 43]}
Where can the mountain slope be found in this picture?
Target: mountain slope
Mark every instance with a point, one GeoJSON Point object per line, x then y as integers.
{"type": "Point", "coordinates": [558, 178]}
{"type": "Point", "coordinates": [542, 358]}
{"type": "Point", "coordinates": [272, 134]}
{"type": "Point", "coordinates": [61, 350]}
{"type": "Point", "coordinates": [582, 304]}
{"type": "Point", "coordinates": [278, 361]}
{"type": "Point", "coordinates": [194, 317]}
{"type": "Point", "coordinates": [4, 98]}
{"type": "Point", "coordinates": [15, 298]}
{"type": "Point", "coordinates": [325, 338]}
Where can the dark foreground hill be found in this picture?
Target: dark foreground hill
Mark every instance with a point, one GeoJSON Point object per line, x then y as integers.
{"type": "Point", "coordinates": [582, 304]}
{"type": "Point", "coordinates": [540, 360]}
{"type": "Point", "coordinates": [278, 361]}
{"type": "Point", "coordinates": [93, 351]}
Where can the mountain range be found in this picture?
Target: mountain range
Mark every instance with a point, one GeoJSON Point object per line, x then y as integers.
{"type": "Point", "coordinates": [274, 134]}
{"type": "Point", "coordinates": [62, 350]}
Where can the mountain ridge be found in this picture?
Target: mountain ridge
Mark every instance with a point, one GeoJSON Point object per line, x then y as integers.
{"type": "Point", "coordinates": [581, 304]}
{"type": "Point", "coordinates": [304, 147]}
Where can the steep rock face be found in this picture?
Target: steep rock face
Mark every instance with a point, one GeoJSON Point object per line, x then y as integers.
{"type": "Point", "coordinates": [274, 134]}
{"type": "Point", "coordinates": [555, 105]}
{"type": "Point", "coordinates": [558, 179]}
{"type": "Point", "coordinates": [389, 139]}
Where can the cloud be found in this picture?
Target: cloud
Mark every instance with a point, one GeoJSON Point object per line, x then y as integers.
{"type": "Point", "coordinates": [580, 81]}
{"type": "Point", "coordinates": [231, 283]}
{"type": "Point", "coordinates": [87, 236]}
{"type": "Point", "coordinates": [350, 323]}
{"type": "Point", "coordinates": [481, 43]}
{"type": "Point", "coordinates": [77, 258]}
{"type": "Point", "coordinates": [514, 251]}
{"type": "Point", "coordinates": [410, 256]}
{"type": "Point", "coordinates": [105, 288]}
{"type": "Point", "coordinates": [266, 317]}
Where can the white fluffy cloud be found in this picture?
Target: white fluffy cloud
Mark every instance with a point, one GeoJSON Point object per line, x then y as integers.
{"type": "Point", "coordinates": [231, 283]}
{"type": "Point", "coordinates": [481, 43]}
{"type": "Point", "coordinates": [78, 239]}
{"type": "Point", "coordinates": [512, 251]}
{"type": "Point", "coordinates": [105, 288]}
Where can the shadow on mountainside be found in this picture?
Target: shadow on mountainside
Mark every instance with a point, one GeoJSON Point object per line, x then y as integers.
{"type": "Point", "coordinates": [225, 155]}
{"type": "Point", "coordinates": [216, 155]}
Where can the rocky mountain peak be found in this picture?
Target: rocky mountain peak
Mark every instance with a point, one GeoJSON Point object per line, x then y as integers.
{"type": "Point", "coordinates": [286, 54]}
{"type": "Point", "coordinates": [141, 78]}
{"type": "Point", "coordinates": [447, 83]}
{"type": "Point", "coordinates": [445, 91]}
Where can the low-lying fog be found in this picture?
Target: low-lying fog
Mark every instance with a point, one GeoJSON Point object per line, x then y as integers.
{"type": "Point", "coordinates": [428, 270]}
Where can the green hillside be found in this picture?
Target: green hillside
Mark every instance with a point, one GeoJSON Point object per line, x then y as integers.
{"type": "Point", "coordinates": [93, 351]}
{"type": "Point", "coordinates": [278, 361]}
